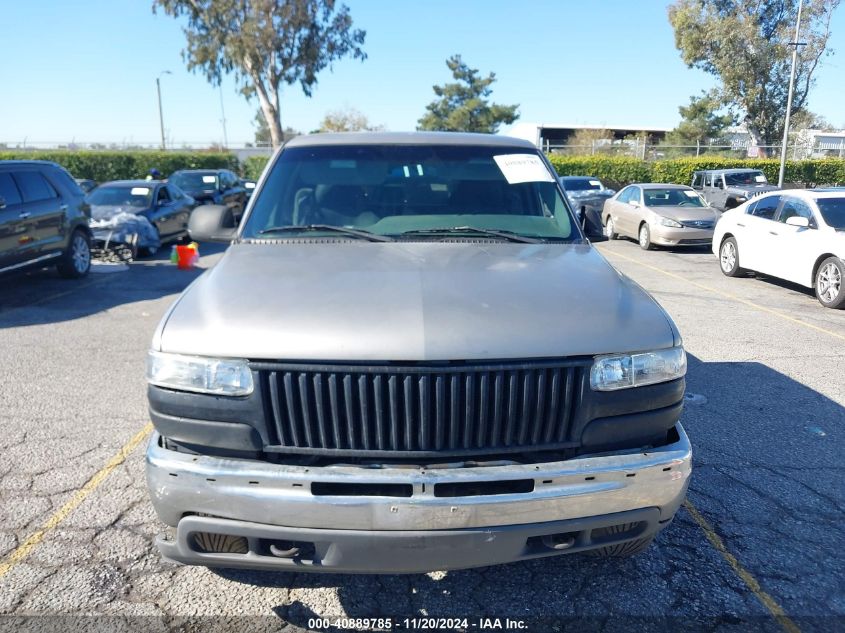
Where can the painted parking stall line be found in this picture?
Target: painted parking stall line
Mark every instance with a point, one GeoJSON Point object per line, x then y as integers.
{"type": "Point", "coordinates": [746, 576]}
{"type": "Point", "coordinates": [728, 295]}
{"type": "Point", "coordinates": [24, 549]}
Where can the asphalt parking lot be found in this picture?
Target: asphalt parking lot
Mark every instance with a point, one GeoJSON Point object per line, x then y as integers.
{"type": "Point", "coordinates": [759, 546]}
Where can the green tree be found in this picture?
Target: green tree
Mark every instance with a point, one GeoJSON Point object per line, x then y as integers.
{"type": "Point", "coordinates": [590, 141]}
{"type": "Point", "coordinates": [266, 43]}
{"type": "Point", "coordinates": [463, 106]}
{"type": "Point", "coordinates": [347, 120]}
{"type": "Point", "coordinates": [701, 122]}
{"type": "Point", "coordinates": [744, 44]}
{"type": "Point", "coordinates": [262, 130]}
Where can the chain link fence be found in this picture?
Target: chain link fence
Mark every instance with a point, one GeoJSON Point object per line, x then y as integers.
{"type": "Point", "coordinates": [637, 148]}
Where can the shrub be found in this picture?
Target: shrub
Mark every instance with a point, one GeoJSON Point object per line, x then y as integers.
{"type": "Point", "coordinates": [117, 165]}
{"type": "Point", "coordinates": [254, 165]}
{"type": "Point", "coordinates": [619, 171]}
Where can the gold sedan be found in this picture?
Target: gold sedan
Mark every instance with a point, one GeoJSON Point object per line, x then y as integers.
{"type": "Point", "coordinates": [660, 214]}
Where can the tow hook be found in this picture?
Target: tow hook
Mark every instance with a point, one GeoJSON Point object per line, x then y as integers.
{"type": "Point", "coordinates": [283, 553]}
{"type": "Point", "coordinates": [558, 541]}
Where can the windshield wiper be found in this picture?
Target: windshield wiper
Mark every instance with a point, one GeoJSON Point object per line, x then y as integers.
{"type": "Point", "coordinates": [367, 235]}
{"type": "Point", "coordinates": [505, 235]}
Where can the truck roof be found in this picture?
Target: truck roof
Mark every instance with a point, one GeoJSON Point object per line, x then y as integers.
{"type": "Point", "coordinates": [408, 138]}
{"type": "Point", "coordinates": [733, 170]}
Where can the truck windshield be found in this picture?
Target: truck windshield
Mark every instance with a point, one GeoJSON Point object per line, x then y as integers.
{"type": "Point", "coordinates": [581, 184]}
{"type": "Point", "coordinates": [193, 181]}
{"type": "Point", "coordinates": [746, 178]}
{"type": "Point", "coordinates": [411, 192]}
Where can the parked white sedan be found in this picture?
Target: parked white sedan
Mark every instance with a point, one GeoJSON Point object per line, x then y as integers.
{"type": "Point", "coordinates": [796, 235]}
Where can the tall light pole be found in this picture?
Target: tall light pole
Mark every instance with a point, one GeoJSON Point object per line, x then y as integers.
{"type": "Point", "coordinates": [223, 120]}
{"type": "Point", "coordinates": [160, 115]}
{"type": "Point", "coordinates": [795, 44]}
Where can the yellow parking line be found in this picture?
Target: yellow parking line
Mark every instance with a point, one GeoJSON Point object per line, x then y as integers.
{"type": "Point", "coordinates": [751, 582]}
{"type": "Point", "coordinates": [24, 549]}
{"type": "Point", "coordinates": [728, 295]}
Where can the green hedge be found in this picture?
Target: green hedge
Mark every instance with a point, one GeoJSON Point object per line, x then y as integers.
{"type": "Point", "coordinates": [254, 165]}
{"type": "Point", "coordinates": [618, 171]}
{"type": "Point", "coordinates": [116, 165]}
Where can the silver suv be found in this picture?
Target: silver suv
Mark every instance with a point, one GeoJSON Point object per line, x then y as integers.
{"type": "Point", "coordinates": [410, 358]}
{"type": "Point", "coordinates": [726, 189]}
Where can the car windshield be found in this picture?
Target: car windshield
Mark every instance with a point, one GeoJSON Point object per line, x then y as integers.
{"type": "Point", "coordinates": [833, 212]}
{"type": "Point", "coordinates": [121, 196]}
{"type": "Point", "coordinates": [411, 192]}
{"type": "Point", "coordinates": [194, 181]}
{"type": "Point", "coordinates": [746, 178]}
{"type": "Point", "coordinates": [672, 198]}
{"type": "Point", "coordinates": [581, 184]}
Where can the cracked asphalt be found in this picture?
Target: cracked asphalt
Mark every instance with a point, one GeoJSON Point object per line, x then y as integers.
{"type": "Point", "coordinates": [766, 426]}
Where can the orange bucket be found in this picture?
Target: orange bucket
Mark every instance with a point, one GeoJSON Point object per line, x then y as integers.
{"type": "Point", "coordinates": [186, 256]}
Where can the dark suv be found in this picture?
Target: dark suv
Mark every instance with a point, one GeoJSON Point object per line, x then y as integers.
{"type": "Point", "coordinates": [213, 186]}
{"type": "Point", "coordinates": [43, 219]}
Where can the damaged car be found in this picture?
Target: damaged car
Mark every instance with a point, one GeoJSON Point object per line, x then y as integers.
{"type": "Point", "coordinates": [132, 218]}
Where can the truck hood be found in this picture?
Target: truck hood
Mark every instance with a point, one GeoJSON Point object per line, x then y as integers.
{"type": "Point", "coordinates": [412, 301]}
{"type": "Point", "coordinates": [751, 189]}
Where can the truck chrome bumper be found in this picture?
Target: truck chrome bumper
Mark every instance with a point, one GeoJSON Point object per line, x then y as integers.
{"type": "Point", "coordinates": [267, 502]}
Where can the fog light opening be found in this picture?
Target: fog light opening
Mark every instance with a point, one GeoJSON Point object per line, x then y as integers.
{"type": "Point", "coordinates": [210, 543]}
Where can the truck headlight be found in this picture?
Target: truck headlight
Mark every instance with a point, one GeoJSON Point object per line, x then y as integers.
{"type": "Point", "coordinates": [670, 222]}
{"type": "Point", "coordinates": [635, 370]}
{"type": "Point", "coordinates": [224, 377]}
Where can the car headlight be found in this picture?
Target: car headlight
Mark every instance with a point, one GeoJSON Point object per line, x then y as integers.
{"type": "Point", "coordinates": [635, 370]}
{"type": "Point", "coordinates": [221, 376]}
{"type": "Point", "coordinates": [670, 222]}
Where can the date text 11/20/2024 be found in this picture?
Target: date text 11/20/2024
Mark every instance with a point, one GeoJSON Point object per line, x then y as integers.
{"type": "Point", "coordinates": [419, 624]}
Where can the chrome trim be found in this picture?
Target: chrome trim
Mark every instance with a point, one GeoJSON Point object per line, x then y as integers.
{"type": "Point", "coordinates": [30, 262]}
{"type": "Point", "coordinates": [274, 494]}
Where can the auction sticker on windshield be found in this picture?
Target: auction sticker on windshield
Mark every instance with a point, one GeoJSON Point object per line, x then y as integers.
{"type": "Point", "coordinates": [518, 168]}
{"type": "Point", "coordinates": [208, 179]}
{"type": "Point", "coordinates": [691, 194]}
{"type": "Point", "coordinates": [139, 191]}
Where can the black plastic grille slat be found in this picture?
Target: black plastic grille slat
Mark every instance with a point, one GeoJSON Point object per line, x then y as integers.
{"type": "Point", "coordinates": [370, 410]}
{"type": "Point", "coordinates": [275, 403]}
{"type": "Point", "coordinates": [291, 408]}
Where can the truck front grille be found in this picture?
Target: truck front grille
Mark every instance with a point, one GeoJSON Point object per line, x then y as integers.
{"type": "Point", "coordinates": [419, 410]}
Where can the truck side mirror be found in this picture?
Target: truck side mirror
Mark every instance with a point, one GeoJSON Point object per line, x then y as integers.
{"type": "Point", "coordinates": [212, 223]}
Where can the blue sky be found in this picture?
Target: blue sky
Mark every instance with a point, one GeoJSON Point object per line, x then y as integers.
{"type": "Point", "coordinates": [86, 70]}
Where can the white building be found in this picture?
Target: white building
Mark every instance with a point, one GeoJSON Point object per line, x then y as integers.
{"type": "Point", "coordinates": [547, 136]}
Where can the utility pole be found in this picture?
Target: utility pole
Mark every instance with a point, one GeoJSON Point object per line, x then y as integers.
{"type": "Point", "coordinates": [795, 46]}
{"type": "Point", "coordinates": [160, 114]}
{"type": "Point", "coordinates": [223, 119]}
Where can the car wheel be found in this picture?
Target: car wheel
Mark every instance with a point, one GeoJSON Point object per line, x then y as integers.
{"type": "Point", "coordinates": [645, 237]}
{"type": "Point", "coordinates": [829, 287]}
{"type": "Point", "coordinates": [729, 258]}
{"type": "Point", "coordinates": [76, 260]}
{"type": "Point", "coordinates": [621, 550]}
{"type": "Point", "coordinates": [609, 229]}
